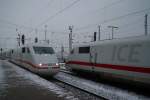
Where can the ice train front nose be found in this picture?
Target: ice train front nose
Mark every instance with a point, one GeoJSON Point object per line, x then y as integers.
{"type": "Point", "coordinates": [48, 64]}
{"type": "Point", "coordinates": [45, 58]}
{"type": "Point", "coordinates": [48, 69]}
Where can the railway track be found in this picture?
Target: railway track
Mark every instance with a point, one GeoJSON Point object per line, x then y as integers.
{"type": "Point", "coordinates": [69, 81]}
{"type": "Point", "coordinates": [103, 91]}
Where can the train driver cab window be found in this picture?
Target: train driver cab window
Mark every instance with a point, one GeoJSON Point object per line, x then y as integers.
{"type": "Point", "coordinates": [43, 50]}
{"type": "Point", "coordinates": [23, 49]}
{"type": "Point", "coordinates": [84, 49]}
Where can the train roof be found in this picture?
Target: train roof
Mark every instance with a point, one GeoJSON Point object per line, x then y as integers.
{"type": "Point", "coordinates": [113, 41]}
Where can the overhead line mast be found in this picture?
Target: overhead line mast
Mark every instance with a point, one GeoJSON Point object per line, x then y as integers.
{"type": "Point", "coordinates": [112, 29]}
{"type": "Point", "coordinates": [146, 24]}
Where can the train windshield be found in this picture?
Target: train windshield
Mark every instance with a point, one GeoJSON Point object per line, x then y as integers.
{"type": "Point", "coordinates": [43, 50]}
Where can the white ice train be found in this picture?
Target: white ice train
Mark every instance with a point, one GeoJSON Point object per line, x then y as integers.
{"type": "Point", "coordinates": [127, 59]}
{"type": "Point", "coordinates": [38, 58]}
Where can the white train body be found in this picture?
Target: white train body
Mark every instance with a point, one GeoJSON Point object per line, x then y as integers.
{"type": "Point", "coordinates": [127, 58]}
{"type": "Point", "coordinates": [38, 58]}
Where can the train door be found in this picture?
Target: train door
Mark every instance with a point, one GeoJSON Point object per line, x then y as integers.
{"type": "Point", "coordinates": [28, 54]}
{"type": "Point", "coordinates": [93, 57]}
{"type": "Point", "coordinates": [23, 53]}
{"type": "Point", "coordinates": [19, 53]}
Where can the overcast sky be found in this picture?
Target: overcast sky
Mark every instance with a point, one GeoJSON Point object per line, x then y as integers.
{"type": "Point", "coordinates": [85, 16]}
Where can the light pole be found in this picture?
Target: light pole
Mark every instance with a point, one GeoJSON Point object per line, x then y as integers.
{"type": "Point", "coordinates": [45, 31]}
{"type": "Point", "coordinates": [19, 37]}
{"type": "Point", "coordinates": [70, 38]}
{"type": "Point", "coordinates": [99, 32]}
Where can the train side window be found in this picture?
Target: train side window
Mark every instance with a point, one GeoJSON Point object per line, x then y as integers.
{"type": "Point", "coordinates": [84, 49]}
{"type": "Point", "coordinates": [23, 50]}
{"type": "Point", "coordinates": [28, 50]}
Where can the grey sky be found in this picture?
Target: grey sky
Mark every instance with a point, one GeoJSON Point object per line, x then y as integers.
{"type": "Point", "coordinates": [85, 16]}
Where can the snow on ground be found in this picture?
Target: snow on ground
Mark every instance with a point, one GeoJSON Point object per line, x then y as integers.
{"type": "Point", "coordinates": [3, 83]}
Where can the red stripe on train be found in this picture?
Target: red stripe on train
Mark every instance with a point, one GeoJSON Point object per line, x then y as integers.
{"type": "Point", "coordinates": [33, 65]}
{"type": "Point", "coordinates": [116, 67]}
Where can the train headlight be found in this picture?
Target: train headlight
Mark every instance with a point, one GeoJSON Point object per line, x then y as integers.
{"type": "Point", "coordinates": [40, 64]}
{"type": "Point", "coordinates": [43, 65]}
{"type": "Point", "coordinates": [57, 64]}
